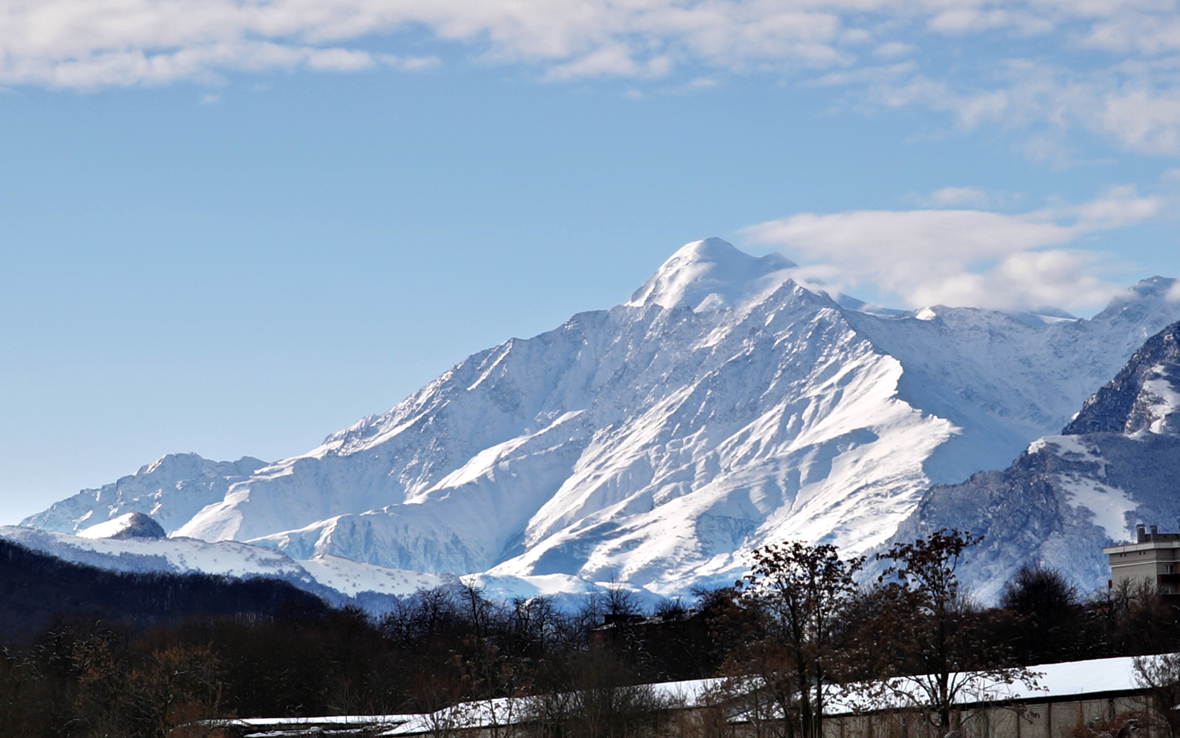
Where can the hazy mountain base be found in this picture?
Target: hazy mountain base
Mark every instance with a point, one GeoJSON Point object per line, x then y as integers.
{"type": "Point", "coordinates": [337, 581]}
{"type": "Point", "coordinates": [120, 674]}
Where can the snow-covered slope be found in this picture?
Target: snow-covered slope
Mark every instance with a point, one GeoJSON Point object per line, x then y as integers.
{"type": "Point", "coordinates": [170, 490]}
{"type": "Point", "coordinates": [127, 525]}
{"type": "Point", "coordinates": [656, 443]}
{"type": "Point", "coordinates": [1068, 495]}
{"type": "Point", "coordinates": [339, 581]}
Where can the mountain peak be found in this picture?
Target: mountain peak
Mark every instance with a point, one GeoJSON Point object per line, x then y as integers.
{"type": "Point", "coordinates": [1154, 294]}
{"type": "Point", "coordinates": [129, 525]}
{"type": "Point", "coordinates": [711, 274]}
{"type": "Point", "coordinates": [1143, 397]}
{"type": "Point", "coordinates": [1155, 286]}
{"type": "Point", "coordinates": [197, 481]}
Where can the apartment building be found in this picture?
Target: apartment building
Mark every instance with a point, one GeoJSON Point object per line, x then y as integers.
{"type": "Point", "coordinates": [1154, 557]}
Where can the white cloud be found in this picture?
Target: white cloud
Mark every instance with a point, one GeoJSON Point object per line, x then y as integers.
{"type": "Point", "coordinates": [880, 77]}
{"type": "Point", "coordinates": [340, 60]}
{"type": "Point", "coordinates": [88, 43]}
{"type": "Point", "coordinates": [1136, 106]}
{"type": "Point", "coordinates": [1143, 119]}
{"type": "Point", "coordinates": [968, 18]}
{"type": "Point", "coordinates": [961, 257]}
{"type": "Point", "coordinates": [1174, 292]}
{"type": "Point", "coordinates": [1134, 30]}
{"type": "Point", "coordinates": [614, 61]}
{"type": "Point", "coordinates": [409, 63]}
{"type": "Point", "coordinates": [1117, 70]}
{"type": "Point", "coordinates": [599, 34]}
{"type": "Point", "coordinates": [1116, 208]}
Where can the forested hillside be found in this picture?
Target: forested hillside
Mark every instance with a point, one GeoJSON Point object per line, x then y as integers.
{"type": "Point", "coordinates": [38, 590]}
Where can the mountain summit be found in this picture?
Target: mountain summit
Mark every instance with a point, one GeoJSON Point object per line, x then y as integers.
{"type": "Point", "coordinates": [712, 274]}
{"type": "Point", "coordinates": [658, 442]}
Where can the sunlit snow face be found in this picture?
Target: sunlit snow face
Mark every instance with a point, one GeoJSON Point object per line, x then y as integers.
{"type": "Point", "coordinates": [658, 445]}
{"type": "Point", "coordinates": [712, 274]}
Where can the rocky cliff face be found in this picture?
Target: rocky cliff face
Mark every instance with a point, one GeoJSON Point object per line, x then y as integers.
{"type": "Point", "coordinates": [1142, 398]}
{"type": "Point", "coordinates": [1117, 463]}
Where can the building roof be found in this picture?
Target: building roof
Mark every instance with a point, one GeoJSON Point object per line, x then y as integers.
{"type": "Point", "coordinates": [1051, 681]}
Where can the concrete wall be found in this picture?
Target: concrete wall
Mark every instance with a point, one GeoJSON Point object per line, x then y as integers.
{"type": "Point", "coordinates": [1059, 718]}
{"type": "Point", "coordinates": [1056, 719]}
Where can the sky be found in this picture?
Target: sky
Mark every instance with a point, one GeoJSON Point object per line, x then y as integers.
{"type": "Point", "coordinates": [232, 227]}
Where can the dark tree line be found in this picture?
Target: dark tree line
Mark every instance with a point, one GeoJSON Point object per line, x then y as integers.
{"type": "Point", "coordinates": [36, 590]}
{"type": "Point", "coordinates": [137, 656]}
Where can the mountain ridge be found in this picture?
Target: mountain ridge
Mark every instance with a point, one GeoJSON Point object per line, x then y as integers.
{"type": "Point", "coordinates": [1069, 494]}
{"type": "Point", "coordinates": [657, 444]}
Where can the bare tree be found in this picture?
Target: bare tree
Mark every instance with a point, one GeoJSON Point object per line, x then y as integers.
{"type": "Point", "coordinates": [601, 703]}
{"type": "Point", "coordinates": [936, 631]}
{"type": "Point", "coordinates": [803, 590]}
{"type": "Point", "coordinates": [1160, 675]}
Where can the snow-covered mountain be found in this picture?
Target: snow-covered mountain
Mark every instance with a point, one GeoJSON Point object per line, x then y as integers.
{"type": "Point", "coordinates": [657, 442]}
{"type": "Point", "coordinates": [171, 490]}
{"type": "Point", "coordinates": [1066, 496]}
{"type": "Point", "coordinates": [127, 525]}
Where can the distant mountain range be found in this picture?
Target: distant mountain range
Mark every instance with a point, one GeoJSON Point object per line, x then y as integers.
{"type": "Point", "coordinates": [130, 544]}
{"type": "Point", "coordinates": [1067, 495]}
{"type": "Point", "coordinates": [656, 443]}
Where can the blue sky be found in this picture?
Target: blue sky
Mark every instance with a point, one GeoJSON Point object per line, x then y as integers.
{"type": "Point", "coordinates": [234, 227]}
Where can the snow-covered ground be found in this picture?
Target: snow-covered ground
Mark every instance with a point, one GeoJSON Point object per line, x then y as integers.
{"type": "Point", "coordinates": [1051, 681]}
